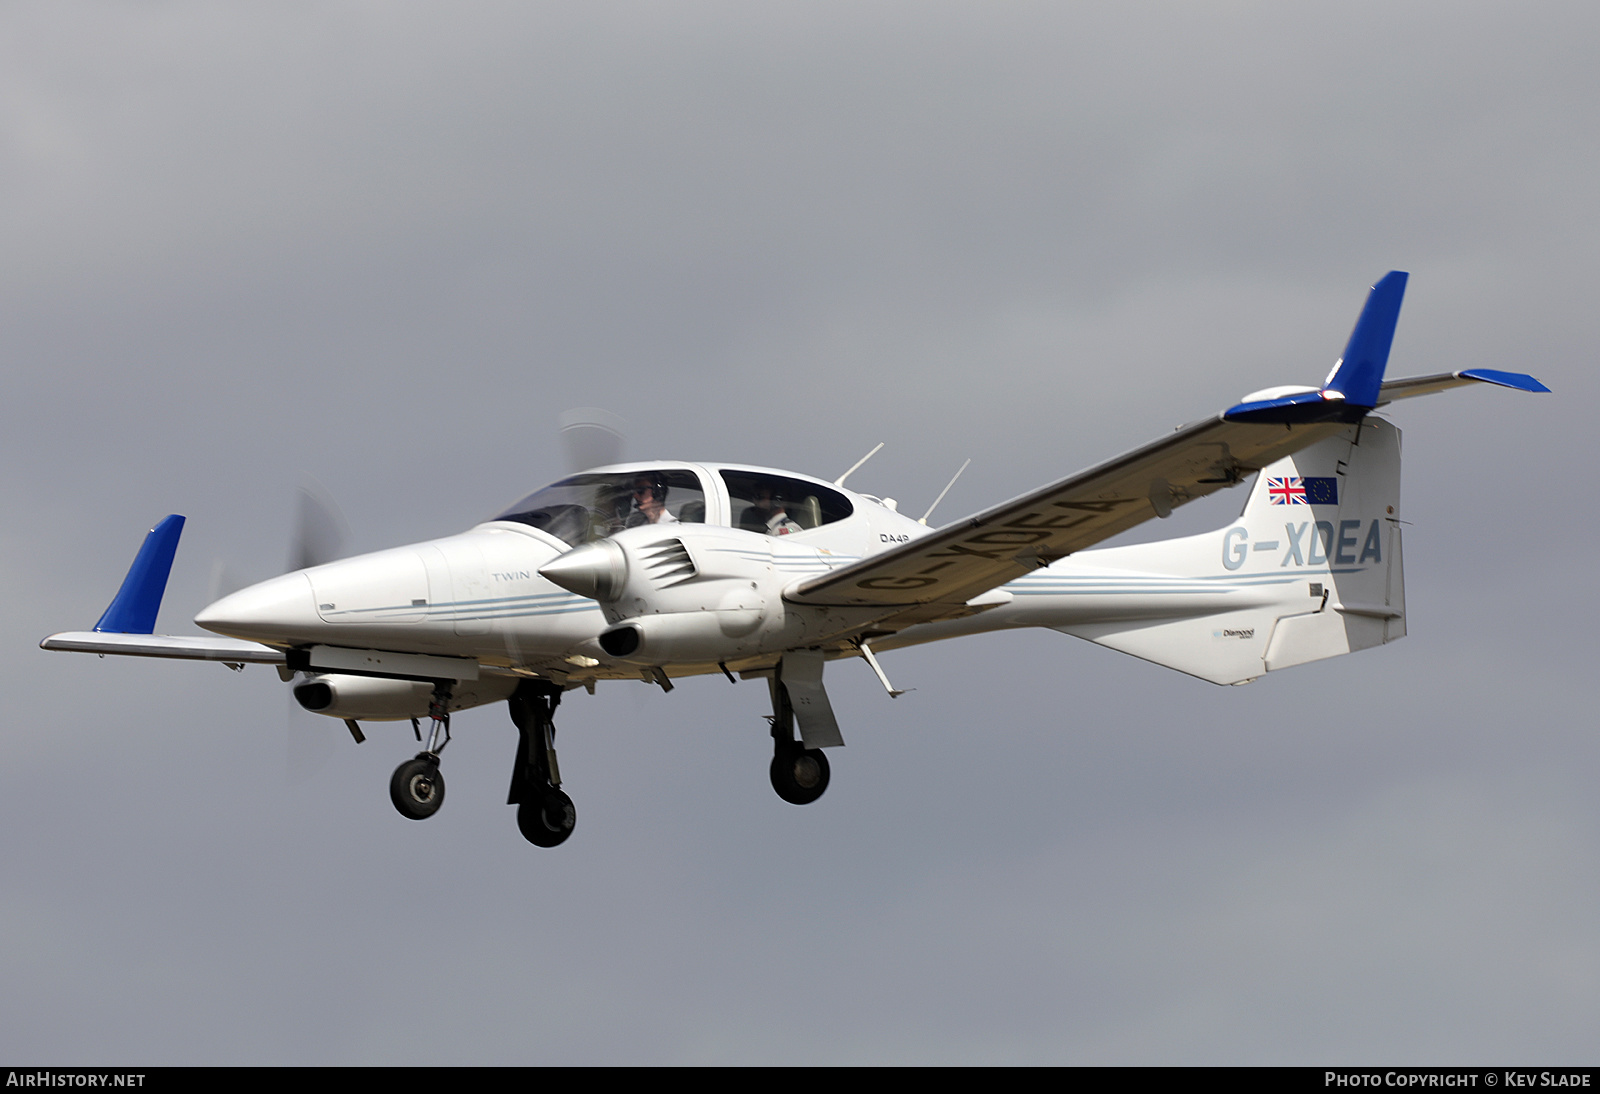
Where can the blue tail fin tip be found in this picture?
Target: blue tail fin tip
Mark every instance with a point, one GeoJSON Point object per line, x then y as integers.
{"type": "Point", "coordinates": [1359, 374]}
{"type": "Point", "coordinates": [133, 610]}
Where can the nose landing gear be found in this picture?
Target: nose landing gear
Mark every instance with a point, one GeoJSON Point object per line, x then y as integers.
{"type": "Point", "coordinates": [417, 788]}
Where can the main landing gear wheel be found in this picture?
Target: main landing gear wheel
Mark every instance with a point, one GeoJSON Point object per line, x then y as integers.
{"type": "Point", "coordinates": [799, 775]}
{"type": "Point", "coordinates": [417, 788]}
{"type": "Point", "coordinates": [549, 822]}
{"type": "Point", "coordinates": [545, 815]}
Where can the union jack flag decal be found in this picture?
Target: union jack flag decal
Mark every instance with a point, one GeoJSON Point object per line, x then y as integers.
{"type": "Point", "coordinates": [1286, 491]}
{"type": "Point", "coordinates": [1307, 490]}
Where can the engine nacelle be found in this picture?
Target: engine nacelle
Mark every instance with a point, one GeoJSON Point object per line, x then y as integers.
{"type": "Point", "coordinates": [364, 697]}
{"type": "Point", "coordinates": [374, 699]}
{"type": "Point", "coordinates": [684, 636]}
{"type": "Point", "coordinates": [681, 592]}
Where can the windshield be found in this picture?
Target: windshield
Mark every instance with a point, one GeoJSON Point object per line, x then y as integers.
{"type": "Point", "coordinates": [594, 506]}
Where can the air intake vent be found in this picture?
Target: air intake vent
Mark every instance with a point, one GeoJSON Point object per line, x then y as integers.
{"type": "Point", "coordinates": [668, 563]}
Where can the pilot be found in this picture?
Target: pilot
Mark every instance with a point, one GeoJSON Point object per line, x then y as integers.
{"type": "Point", "coordinates": [768, 514]}
{"type": "Point", "coordinates": [650, 501]}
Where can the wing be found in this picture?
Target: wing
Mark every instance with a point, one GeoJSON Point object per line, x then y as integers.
{"type": "Point", "coordinates": [126, 625]}
{"type": "Point", "coordinates": [966, 558]}
{"type": "Point", "coordinates": [184, 647]}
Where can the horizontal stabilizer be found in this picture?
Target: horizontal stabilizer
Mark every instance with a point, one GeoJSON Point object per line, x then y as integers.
{"type": "Point", "coordinates": [133, 610]}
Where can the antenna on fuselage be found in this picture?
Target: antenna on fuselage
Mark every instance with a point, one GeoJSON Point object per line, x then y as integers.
{"type": "Point", "coordinates": [840, 480]}
{"type": "Point", "coordinates": [942, 493]}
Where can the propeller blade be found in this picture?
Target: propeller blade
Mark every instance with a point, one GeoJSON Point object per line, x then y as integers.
{"type": "Point", "coordinates": [320, 530]}
{"type": "Point", "coordinates": [592, 437]}
{"type": "Point", "coordinates": [224, 580]}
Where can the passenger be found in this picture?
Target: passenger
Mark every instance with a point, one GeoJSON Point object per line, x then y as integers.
{"type": "Point", "coordinates": [650, 502]}
{"type": "Point", "coordinates": [768, 514]}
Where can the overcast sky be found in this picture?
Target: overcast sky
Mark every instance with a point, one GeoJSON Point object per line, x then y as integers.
{"type": "Point", "coordinates": [386, 245]}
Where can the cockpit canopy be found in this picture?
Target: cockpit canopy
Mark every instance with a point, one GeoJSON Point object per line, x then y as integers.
{"type": "Point", "coordinates": [598, 504]}
{"type": "Point", "coordinates": [778, 505]}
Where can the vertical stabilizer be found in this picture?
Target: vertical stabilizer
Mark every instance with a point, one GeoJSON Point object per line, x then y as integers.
{"type": "Point", "coordinates": [1358, 376]}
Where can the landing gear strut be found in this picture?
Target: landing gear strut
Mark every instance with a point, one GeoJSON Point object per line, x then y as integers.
{"type": "Point", "coordinates": [417, 788]}
{"type": "Point", "coordinates": [545, 815]}
{"type": "Point", "coordinates": [799, 774]}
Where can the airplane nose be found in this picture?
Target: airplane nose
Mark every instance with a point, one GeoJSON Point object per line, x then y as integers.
{"type": "Point", "coordinates": [279, 609]}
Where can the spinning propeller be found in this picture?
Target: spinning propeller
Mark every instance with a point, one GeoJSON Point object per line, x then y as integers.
{"type": "Point", "coordinates": [320, 530]}
{"type": "Point", "coordinates": [591, 437]}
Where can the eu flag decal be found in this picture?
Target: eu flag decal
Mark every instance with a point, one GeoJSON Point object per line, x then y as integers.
{"type": "Point", "coordinates": [1295, 490]}
{"type": "Point", "coordinates": [1321, 491]}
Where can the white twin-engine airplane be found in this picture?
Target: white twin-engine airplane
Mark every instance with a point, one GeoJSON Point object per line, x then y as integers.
{"type": "Point", "coordinates": [660, 570]}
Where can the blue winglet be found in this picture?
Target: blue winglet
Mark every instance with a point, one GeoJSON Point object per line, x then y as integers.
{"type": "Point", "coordinates": [1359, 374]}
{"type": "Point", "coordinates": [1519, 380]}
{"type": "Point", "coordinates": [133, 610]}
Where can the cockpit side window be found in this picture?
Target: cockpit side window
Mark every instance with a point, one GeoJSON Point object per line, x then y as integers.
{"type": "Point", "coordinates": [593, 506]}
{"type": "Point", "coordinates": [777, 505]}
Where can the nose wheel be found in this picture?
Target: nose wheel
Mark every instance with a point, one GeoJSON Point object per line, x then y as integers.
{"type": "Point", "coordinates": [417, 788]}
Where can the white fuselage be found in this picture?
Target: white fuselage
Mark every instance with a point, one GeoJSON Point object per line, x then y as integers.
{"type": "Point", "coordinates": [694, 592]}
